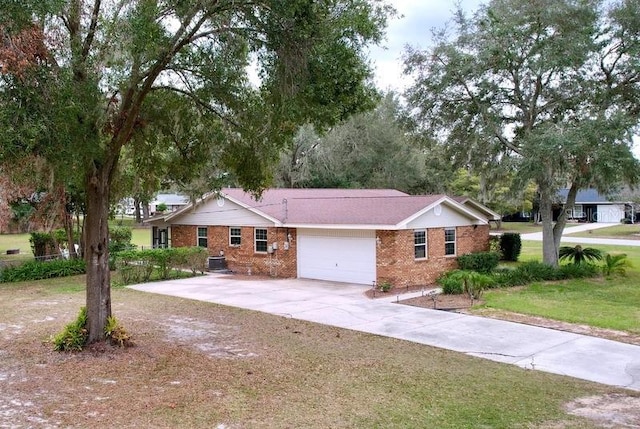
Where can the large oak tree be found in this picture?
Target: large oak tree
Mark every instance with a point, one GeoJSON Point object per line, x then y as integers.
{"type": "Point", "coordinates": [111, 69]}
{"type": "Point", "coordinates": [550, 85]}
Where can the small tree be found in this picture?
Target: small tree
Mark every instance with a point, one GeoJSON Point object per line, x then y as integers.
{"type": "Point", "coordinates": [579, 254]}
{"type": "Point", "coordinates": [510, 246]}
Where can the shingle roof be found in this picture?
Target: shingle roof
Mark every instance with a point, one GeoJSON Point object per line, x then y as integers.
{"type": "Point", "coordinates": [590, 195]}
{"type": "Point", "coordinates": [336, 206]}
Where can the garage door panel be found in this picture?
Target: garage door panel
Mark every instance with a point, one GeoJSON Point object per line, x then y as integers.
{"type": "Point", "coordinates": [341, 256]}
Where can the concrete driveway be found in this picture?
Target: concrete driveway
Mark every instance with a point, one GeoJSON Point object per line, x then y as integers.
{"type": "Point", "coordinates": [345, 306]}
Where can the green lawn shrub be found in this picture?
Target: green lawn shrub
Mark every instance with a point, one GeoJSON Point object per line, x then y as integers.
{"type": "Point", "coordinates": [451, 285]}
{"type": "Point", "coordinates": [482, 262]}
{"type": "Point", "coordinates": [534, 271]}
{"type": "Point", "coordinates": [139, 266]}
{"type": "Point", "coordinates": [119, 238]}
{"type": "Point", "coordinates": [36, 270]}
{"type": "Point", "coordinates": [74, 336]}
{"type": "Point", "coordinates": [510, 246]}
{"type": "Point", "coordinates": [42, 245]}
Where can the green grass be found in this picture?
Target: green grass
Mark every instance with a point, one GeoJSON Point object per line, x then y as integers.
{"type": "Point", "coordinates": [612, 303]}
{"type": "Point", "coordinates": [140, 236]}
{"type": "Point", "coordinates": [628, 232]}
{"type": "Point", "coordinates": [520, 227]}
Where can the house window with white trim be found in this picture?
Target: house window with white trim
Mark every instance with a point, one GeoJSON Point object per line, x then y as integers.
{"type": "Point", "coordinates": [449, 241]}
{"type": "Point", "coordinates": [235, 236]}
{"type": "Point", "coordinates": [202, 236]}
{"type": "Point", "coordinates": [260, 240]}
{"type": "Point", "coordinates": [420, 244]}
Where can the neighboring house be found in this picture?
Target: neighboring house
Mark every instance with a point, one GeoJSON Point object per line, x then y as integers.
{"type": "Point", "coordinates": [591, 206]}
{"type": "Point", "coordinates": [172, 201]}
{"type": "Point", "coordinates": [344, 235]}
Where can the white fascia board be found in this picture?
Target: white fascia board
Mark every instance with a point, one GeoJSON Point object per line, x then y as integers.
{"type": "Point", "coordinates": [482, 208]}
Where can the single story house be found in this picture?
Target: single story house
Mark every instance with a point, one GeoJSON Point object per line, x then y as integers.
{"type": "Point", "coordinates": [172, 201]}
{"type": "Point", "coordinates": [592, 206]}
{"type": "Point", "coordinates": [364, 236]}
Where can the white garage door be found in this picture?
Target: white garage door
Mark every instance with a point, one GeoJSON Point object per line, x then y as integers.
{"type": "Point", "coordinates": [343, 256]}
{"type": "Point", "coordinates": [610, 213]}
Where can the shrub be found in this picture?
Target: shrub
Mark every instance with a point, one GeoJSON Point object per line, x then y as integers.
{"type": "Point", "coordinates": [119, 238]}
{"type": "Point", "coordinates": [579, 254]}
{"type": "Point", "coordinates": [510, 246]}
{"type": "Point", "coordinates": [573, 271]}
{"type": "Point", "coordinates": [482, 262]}
{"type": "Point", "coordinates": [42, 245]}
{"type": "Point", "coordinates": [494, 245]}
{"type": "Point", "coordinates": [135, 266]}
{"type": "Point", "coordinates": [34, 270]}
{"type": "Point", "coordinates": [451, 285]}
{"type": "Point", "coordinates": [534, 271]}
{"type": "Point", "coordinates": [116, 334]}
{"type": "Point", "coordinates": [385, 286]}
{"type": "Point", "coordinates": [74, 336]}
{"type": "Point", "coordinates": [615, 264]}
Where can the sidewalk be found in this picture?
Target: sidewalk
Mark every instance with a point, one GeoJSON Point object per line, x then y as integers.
{"type": "Point", "coordinates": [345, 306]}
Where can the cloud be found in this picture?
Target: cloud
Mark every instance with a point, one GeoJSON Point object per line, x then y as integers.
{"type": "Point", "coordinates": [413, 26]}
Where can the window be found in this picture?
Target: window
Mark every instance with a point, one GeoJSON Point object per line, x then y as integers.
{"type": "Point", "coordinates": [420, 244]}
{"type": "Point", "coordinates": [202, 236]}
{"type": "Point", "coordinates": [235, 238]}
{"type": "Point", "coordinates": [449, 241]}
{"type": "Point", "coordinates": [260, 238]}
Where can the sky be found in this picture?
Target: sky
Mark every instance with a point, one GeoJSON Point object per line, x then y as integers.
{"type": "Point", "coordinates": [412, 26]}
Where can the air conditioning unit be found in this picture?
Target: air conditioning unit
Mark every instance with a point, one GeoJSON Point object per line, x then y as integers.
{"type": "Point", "coordinates": [217, 263]}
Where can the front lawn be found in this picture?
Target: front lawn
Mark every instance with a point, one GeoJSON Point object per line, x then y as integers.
{"type": "Point", "coordinates": [202, 365]}
{"type": "Point", "coordinates": [612, 303]}
{"type": "Point", "coordinates": [519, 227]}
{"type": "Point", "coordinates": [626, 232]}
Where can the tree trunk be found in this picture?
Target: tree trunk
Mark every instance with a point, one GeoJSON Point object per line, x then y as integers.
{"type": "Point", "coordinates": [96, 253]}
{"type": "Point", "coordinates": [549, 250]}
{"type": "Point", "coordinates": [136, 210]}
{"type": "Point", "coordinates": [145, 209]}
{"type": "Point", "coordinates": [558, 229]}
{"type": "Point", "coordinates": [552, 233]}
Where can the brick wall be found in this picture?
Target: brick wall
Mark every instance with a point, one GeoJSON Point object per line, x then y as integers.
{"type": "Point", "coordinates": [243, 259]}
{"type": "Point", "coordinates": [396, 261]}
{"type": "Point", "coordinates": [183, 235]}
{"type": "Point", "coordinates": [394, 254]}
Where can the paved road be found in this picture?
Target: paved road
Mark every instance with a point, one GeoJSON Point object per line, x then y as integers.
{"type": "Point", "coordinates": [567, 238]}
{"type": "Point", "coordinates": [345, 306]}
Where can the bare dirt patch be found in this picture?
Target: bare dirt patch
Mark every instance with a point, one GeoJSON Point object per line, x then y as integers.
{"type": "Point", "coordinates": [609, 411]}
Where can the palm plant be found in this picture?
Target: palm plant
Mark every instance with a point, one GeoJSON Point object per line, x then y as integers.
{"type": "Point", "coordinates": [579, 254]}
{"type": "Point", "coordinates": [615, 264]}
{"type": "Point", "coordinates": [473, 283]}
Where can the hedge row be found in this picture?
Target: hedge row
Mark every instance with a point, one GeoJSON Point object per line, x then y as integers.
{"type": "Point", "coordinates": [482, 262]}
{"type": "Point", "coordinates": [35, 270]}
{"type": "Point", "coordinates": [136, 266]}
{"type": "Point", "coordinates": [525, 273]}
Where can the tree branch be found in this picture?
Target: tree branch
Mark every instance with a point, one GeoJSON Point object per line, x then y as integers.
{"type": "Point", "coordinates": [197, 100]}
{"type": "Point", "coordinates": [86, 47]}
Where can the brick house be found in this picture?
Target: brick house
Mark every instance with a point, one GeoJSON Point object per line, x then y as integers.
{"type": "Point", "coordinates": [346, 235]}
